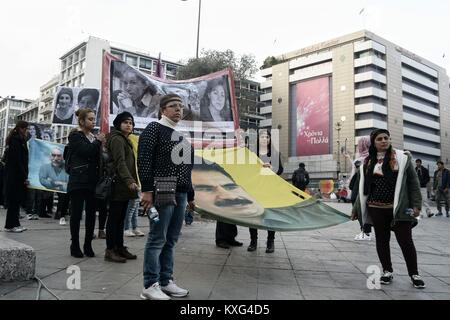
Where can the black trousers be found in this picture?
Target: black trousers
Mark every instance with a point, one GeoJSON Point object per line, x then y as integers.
{"type": "Point", "coordinates": [115, 224]}
{"type": "Point", "coordinates": [366, 228]}
{"type": "Point", "coordinates": [102, 208]}
{"type": "Point", "coordinates": [12, 214]}
{"type": "Point", "coordinates": [225, 231]}
{"type": "Point", "coordinates": [47, 203]}
{"type": "Point", "coordinates": [382, 219]}
{"type": "Point", "coordinates": [254, 234]}
{"type": "Point", "coordinates": [63, 205]}
{"type": "Point", "coordinates": [79, 199]}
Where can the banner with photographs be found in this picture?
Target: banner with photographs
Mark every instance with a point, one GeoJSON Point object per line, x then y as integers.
{"type": "Point", "coordinates": [69, 99]}
{"type": "Point", "coordinates": [208, 101]}
{"type": "Point", "coordinates": [231, 185]}
{"type": "Point", "coordinates": [41, 131]}
{"type": "Point", "coordinates": [46, 166]}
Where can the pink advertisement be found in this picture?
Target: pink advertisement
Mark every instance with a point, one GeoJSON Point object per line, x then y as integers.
{"type": "Point", "coordinates": [313, 117]}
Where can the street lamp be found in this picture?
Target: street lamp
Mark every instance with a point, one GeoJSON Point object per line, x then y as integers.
{"type": "Point", "coordinates": [338, 128]}
{"type": "Point", "coordinates": [198, 25]}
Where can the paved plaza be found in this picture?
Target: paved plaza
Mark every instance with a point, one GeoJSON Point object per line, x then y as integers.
{"type": "Point", "coordinates": [319, 264]}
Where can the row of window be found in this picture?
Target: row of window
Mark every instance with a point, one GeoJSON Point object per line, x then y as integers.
{"type": "Point", "coordinates": [145, 63]}
{"type": "Point", "coordinates": [76, 82]}
{"type": "Point", "coordinates": [73, 58]}
{"type": "Point", "coordinates": [74, 70]}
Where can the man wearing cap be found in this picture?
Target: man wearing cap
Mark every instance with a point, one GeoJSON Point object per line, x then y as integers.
{"type": "Point", "coordinates": [157, 143]}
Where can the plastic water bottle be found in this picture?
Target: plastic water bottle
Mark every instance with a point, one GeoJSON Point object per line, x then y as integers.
{"type": "Point", "coordinates": [153, 215]}
{"type": "Point", "coordinates": [410, 212]}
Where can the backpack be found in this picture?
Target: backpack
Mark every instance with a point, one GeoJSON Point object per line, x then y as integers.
{"type": "Point", "coordinates": [66, 156]}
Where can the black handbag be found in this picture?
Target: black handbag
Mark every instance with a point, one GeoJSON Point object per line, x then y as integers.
{"type": "Point", "coordinates": [165, 190]}
{"type": "Point", "coordinates": [103, 189]}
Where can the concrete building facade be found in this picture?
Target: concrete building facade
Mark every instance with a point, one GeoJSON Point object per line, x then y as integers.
{"type": "Point", "coordinates": [82, 67]}
{"type": "Point", "coordinates": [10, 108]}
{"type": "Point", "coordinates": [373, 83]}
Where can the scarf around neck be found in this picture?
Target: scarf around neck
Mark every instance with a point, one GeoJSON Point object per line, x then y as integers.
{"type": "Point", "coordinates": [167, 122]}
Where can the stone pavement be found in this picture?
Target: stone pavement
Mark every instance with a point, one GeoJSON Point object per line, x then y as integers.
{"type": "Point", "coordinates": [318, 264]}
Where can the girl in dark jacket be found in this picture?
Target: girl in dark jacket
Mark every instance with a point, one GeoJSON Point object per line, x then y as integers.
{"type": "Point", "coordinates": [124, 186]}
{"type": "Point", "coordinates": [265, 154]}
{"type": "Point", "coordinates": [16, 175]}
{"type": "Point", "coordinates": [84, 150]}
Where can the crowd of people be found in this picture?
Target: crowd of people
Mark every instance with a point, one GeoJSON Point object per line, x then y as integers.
{"type": "Point", "coordinates": [388, 192]}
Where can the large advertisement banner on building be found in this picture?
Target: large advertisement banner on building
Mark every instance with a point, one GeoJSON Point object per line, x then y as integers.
{"type": "Point", "coordinates": [69, 99]}
{"type": "Point", "coordinates": [208, 101]}
{"type": "Point", "coordinates": [46, 166]}
{"type": "Point", "coordinates": [313, 116]}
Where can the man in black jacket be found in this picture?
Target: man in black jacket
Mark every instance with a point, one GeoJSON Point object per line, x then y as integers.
{"type": "Point", "coordinates": [300, 178]}
{"type": "Point", "coordinates": [424, 178]}
{"type": "Point", "coordinates": [441, 187]}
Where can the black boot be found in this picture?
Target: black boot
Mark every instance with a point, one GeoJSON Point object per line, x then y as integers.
{"type": "Point", "coordinates": [75, 250]}
{"type": "Point", "coordinates": [87, 248]}
{"type": "Point", "coordinates": [253, 245]}
{"type": "Point", "coordinates": [270, 246]}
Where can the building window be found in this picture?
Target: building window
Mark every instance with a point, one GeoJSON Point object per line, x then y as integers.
{"type": "Point", "coordinates": [63, 64]}
{"type": "Point", "coordinates": [82, 53]}
{"type": "Point", "coordinates": [171, 70]}
{"type": "Point", "coordinates": [132, 61]}
{"type": "Point", "coordinates": [145, 63]}
{"type": "Point", "coordinates": [69, 61]}
{"type": "Point", "coordinates": [76, 56]}
{"type": "Point", "coordinates": [83, 64]}
{"type": "Point", "coordinates": [82, 80]}
{"type": "Point", "coordinates": [69, 72]}
{"type": "Point", "coordinates": [117, 54]}
{"type": "Point", "coordinates": [77, 68]}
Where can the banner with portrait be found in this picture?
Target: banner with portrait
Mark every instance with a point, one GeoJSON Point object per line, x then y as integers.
{"type": "Point", "coordinates": [46, 166]}
{"type": "Point", "coordinates": [208, 102]}
{"type": "Point", "coordinates": [69, 99]}
{"type": "Point", "coordinates": [312, 98]}
{"type": "Point", "coordinates": [231, 185]}
{"type": "Point", "coordinates": [42, 131]}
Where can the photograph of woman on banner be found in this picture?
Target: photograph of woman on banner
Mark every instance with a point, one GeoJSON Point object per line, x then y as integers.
{"type": "Point", "coordinates": [215, 103]}
{"type": "Point", "coordinates": [47, 135]}
{"type": "Point", "coordinates": [87, 98]}
{"type": "Point", "coordinates": [137, 95]}
{"type": "Point", "coordinates": [64, 108]}
{"type": "Point", "coordinates": [34, 131]}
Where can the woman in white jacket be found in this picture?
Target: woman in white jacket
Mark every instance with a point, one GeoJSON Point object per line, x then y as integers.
{"type": "Point", "coordinates": [389, 198]}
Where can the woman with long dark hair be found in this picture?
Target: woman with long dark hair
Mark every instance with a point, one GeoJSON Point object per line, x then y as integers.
{"type": "Point", "coordinates": [16, 175]}
{"type": "Point", "coordinates": [84, 163]}
{"type": "Point", "coordinates": [265, 154]}
{"type": "Point", "coordinates": [389, 198]}
{"type": "Point", "coordinates": [214, 105]}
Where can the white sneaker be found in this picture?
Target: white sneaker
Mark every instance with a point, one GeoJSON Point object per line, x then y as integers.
{"type": "Point", "coordinates": [129, 233]}
{"type": "Point", "coordinates": [363, 237]}
{"type": "Point", "coordinates": [175, 291]}
{"type": "Point", "coordinates": [62, 221]}
{"type": "Point", "coordinates": [154, 293]}
{"type": "Point", "coordinates": [16, 229]}
{"type": "Point", "coordinates": [138, 233]}
{"type": "Point", "coordinates": [30, 216]}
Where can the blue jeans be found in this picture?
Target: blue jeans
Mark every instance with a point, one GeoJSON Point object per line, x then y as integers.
{"type": "Point", "coordinates": [158, 255]}
{"type": "Point", "coordinates": [132, 213]}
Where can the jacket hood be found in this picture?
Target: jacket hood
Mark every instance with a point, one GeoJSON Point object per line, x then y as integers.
{"type": "Point", "coordinates": [112, 135]}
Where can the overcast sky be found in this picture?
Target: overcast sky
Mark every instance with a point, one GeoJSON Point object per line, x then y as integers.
{"type": "Point", "coordinates": [34, 34]}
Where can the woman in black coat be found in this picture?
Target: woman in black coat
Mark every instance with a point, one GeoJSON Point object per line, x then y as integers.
{"type": "Point", "coordinates": [16, 175]}
{"type": "Point", "coordinates": [84, 162]}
